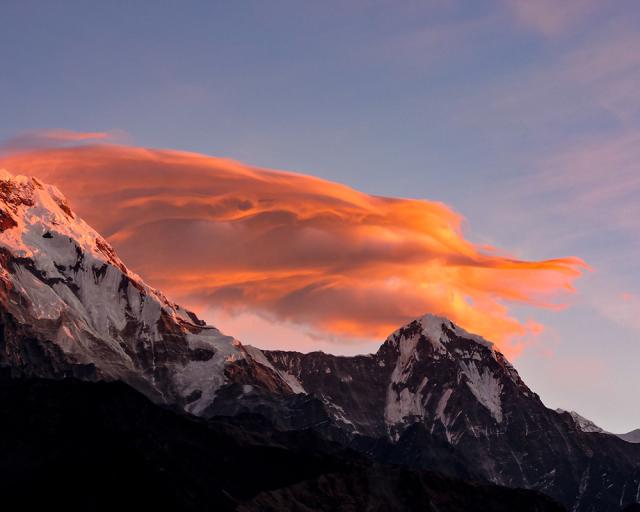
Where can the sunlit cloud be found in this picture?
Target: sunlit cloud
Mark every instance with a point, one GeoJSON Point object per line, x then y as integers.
{"type": "Point", "coordinates": [215, 233]}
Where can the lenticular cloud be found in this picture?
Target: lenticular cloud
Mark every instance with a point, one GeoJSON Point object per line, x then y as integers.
{"type": "Point", "coordinates": [216, 233]}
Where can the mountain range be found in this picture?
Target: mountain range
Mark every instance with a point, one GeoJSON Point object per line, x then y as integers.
{"type": "Point", "coordinates": [437, 419]}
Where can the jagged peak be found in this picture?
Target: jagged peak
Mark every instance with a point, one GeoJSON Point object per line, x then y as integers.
{"type": "Point", "coordinates": [38, 224]}
{"type": "Point", "coordinates": [434, 324]}
{"type": "Point", "coordinates": [437, 330]}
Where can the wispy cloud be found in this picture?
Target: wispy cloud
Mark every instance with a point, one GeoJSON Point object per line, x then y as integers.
{"type": "Point", "coordinates": [217, 233]}
{"type": "Point", "coordinates": [57, 137]}
{"type": "Point", "coordinates": [551, 17]}
{"type": "Point", "coordinates": [598, 79]}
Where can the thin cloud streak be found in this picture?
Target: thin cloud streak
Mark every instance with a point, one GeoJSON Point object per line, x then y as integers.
{"type": "Point", "coordinates": [39, 139]}
{"type": "Point", "coordinates": [214, 233]}
{"type": "Point", "coordinates": [552, 18]}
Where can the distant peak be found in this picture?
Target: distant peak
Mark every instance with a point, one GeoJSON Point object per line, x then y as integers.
{"type": "Point", "coordinates": [582, 423]}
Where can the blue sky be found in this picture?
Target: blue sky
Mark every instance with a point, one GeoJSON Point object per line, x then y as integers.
{"type": "Point", "coordinates": [522, 116]}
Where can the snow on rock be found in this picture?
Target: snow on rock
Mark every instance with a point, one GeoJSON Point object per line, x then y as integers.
{"type": "Point", "coordinates": [442, 405]}
{"type": "Point", "coordinates": [432, 328]}
{"type": "Point", "coordinates": [406, 357]}
{"type": "Point", "coordinates": [257, 355]}
{"type": "Point", "coordinates": [449, 344]}
{"type": "Point", "coordinates": [485, 386]}
{"type": "Point", "coordinates": [582, 423]}
{"type": "Point", "coordinates": [404, 404]}
{"type": "Point", "coordinates": [65, 282]}
{"type": "Point", "coordinates": [206, 376]}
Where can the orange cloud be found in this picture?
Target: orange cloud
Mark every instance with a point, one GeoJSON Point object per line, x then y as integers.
{"type": "Point", "coordinates": [216, 233]}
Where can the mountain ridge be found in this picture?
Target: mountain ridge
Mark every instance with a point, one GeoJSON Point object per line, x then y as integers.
{"type": "Point", "coordinates": [586, 425]}
{"type": "Point", "coordinates": [108, 445]}
{"type": "Point", "coordinates": [432, 397]}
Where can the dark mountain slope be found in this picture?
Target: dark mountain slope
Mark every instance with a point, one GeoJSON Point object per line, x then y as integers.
{"type": "Point", "coordinates": [75, 445]}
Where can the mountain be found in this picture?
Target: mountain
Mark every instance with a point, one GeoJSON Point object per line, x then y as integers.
{"type": "Point", "coordinates": [587, 425]}
{"type": "Point", "coordinates": [583, 423]}
{"type": "Point", "coordinates": [70, 307]}
{"type": "Point", "coordinates": [434, 397]}
{"type": "Point", "coordinates": [631, 437]}
{"type": "Point", "coordinates": [75, 445]}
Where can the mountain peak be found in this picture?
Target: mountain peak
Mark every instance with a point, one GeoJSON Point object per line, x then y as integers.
{"type": "Point", "coordinates": [81, 307]}
{"type": "Point", "coordinates": [439, 331]}
{"type": "Point", "coordinates": [435, 326]}
{"type": "Point", "coordinates": [33, 212]}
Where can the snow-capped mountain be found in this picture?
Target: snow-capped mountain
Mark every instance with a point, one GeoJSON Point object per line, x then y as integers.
{"type": "Point", "coordinates": [433, 396]}
{"type": "Point", "coordinates": [449, 400]}
{"type": "Point", "coordinates": [421, 374]}
{"type": "Point", "coordinates": [70, 307]}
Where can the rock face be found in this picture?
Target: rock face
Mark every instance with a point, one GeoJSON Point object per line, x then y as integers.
{"type": "Point", "coordinates": [438, 397]}
{"type": "Point", "coordinates": [70, 307]}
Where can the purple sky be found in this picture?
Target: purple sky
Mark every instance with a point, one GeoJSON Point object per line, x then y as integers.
{"type": "Point", "coordinates": [524, 116]}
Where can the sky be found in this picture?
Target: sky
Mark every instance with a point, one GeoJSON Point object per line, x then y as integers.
{"type": "Point", "coordinates": [484, 152]}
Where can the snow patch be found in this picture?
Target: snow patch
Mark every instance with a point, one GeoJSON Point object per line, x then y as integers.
{"type": "Point", "coordinates": [291, 380]}
{"type": "Point", "coordinates": [207, 376]}
{"type": "Point", "coordinates": [432, 330]}
{"type": "Point", "coordinates": [485, 387]}
{"type": "Point", "coordinates": [406, 357]}
{"type": "Point", "coordinates": [442, 405]}
{"type": "Point", "coordinates": [403, 404]}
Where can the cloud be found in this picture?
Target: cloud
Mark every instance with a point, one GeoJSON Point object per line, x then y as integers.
{"type": "Point", "coordinates": [55, 137]}
{"type": "Point", "coordinates": [215, 233]}
{"type": "Point", "coordinates": [550, 17]}
{"type": "Point", "coordinates": [596, 78]}
{"type": "Point", "coordinates": [588, 190]}
{"type": "Point", "coordinates": [623, 309]}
